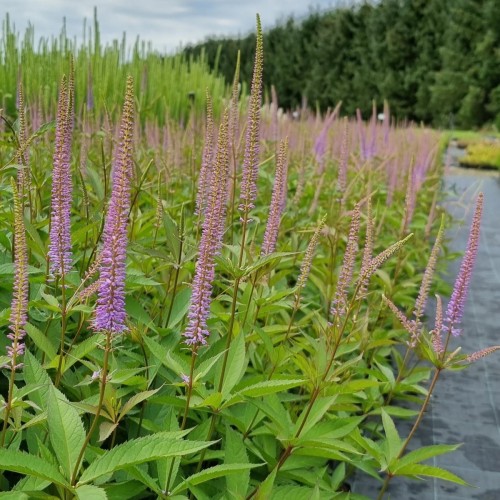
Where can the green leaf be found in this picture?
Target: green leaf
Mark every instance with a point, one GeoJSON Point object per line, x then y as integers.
{"type": "Point", "coordinates": [180, 307]}
{"type": "Point", "coordinates": [135, 400]}
{"type": "Point", "coordinates": [127, 489]}
{"type": "Point", "coordinates": [66, 431]}
{"type": "Point", "coordinates": [31, 483]}
{"type": "Point", "coordinates": [88, 492]}
{"type": "Point", "coordinates": [235, 364]}
{"type": "Point", "coordinates": [52, 301]}
{"type": "Point", "coordinates": [81, 350]}
{"type": "Point", "coordinates": [235, 452]}
{"type": "Point", "coordinates": [265, 488]}
{"type": "Point", "coordinates": [213, 473]}
{"type": "Point", "coordinates": [269, 387]}
{"type": "Point", "coordinates": [137, 277]}
{"type": "Point", "coordinates": [206, 365]}
{"type": "Point", "coordinates": [138, 451]}
{"type": "Point", "coordinates": [393, 441]}
{"type": "Point", "coordinates": [422, 454]}
{"type": "Point", "coordinates": [31, 465]}
{"type": "Point", "coordinates": [166, 357]}
{"type": "Point", "coordinates": [172, 235]}
{"type": "Point", "coordinates": [137, 312]}
{"type": "Point", "coordinates": [40, 340]}
{"type": "Point", "coordinates": [27, 495]}
{"type": "Point", "coordinates": [35, 374]}
{"type": "Point", "coordinates": [416, 470]}
{"type": "Point", "coordinates": [320, 407]}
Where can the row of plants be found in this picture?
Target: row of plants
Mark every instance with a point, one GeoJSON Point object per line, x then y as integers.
{"type": "Point", "coordinates": [485, 154]}
{"type": "Point", "coordinates": [102, 70]}
{"type": "Point", "coordinates": [231, 308]}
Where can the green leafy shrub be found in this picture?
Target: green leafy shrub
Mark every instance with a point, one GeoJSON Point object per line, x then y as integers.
{"type": "Point", "coordinates": [482, 155]}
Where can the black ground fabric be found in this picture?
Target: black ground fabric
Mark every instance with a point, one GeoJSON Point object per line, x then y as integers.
{"type": "Point", "coordinates": [465, 407]}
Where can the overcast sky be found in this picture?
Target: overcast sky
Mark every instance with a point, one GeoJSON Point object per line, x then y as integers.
{"type": "Point", "coordinates": [166, 23]}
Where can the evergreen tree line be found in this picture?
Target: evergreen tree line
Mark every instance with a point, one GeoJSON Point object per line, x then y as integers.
{"type": "Point", "coordinates": [435, 61]}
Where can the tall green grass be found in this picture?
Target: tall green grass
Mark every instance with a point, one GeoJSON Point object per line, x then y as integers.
{"type": "Point", "coordinates": [166, 86]}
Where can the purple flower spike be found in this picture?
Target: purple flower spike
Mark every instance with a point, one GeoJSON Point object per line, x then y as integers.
{"type": "Point", "coordinates": [455, 309]}
{"type": "Point", "coordinates": [59, 253]}
{"type": "Point", "coordinates": [206, 161]}
{"type": "Point", "coordinates": [110, 315]}
{"type": "Point", "coordinates": [277, 201]}
{"type": "Point", "coordinates": [339, 304]}
{"type": "Point", "coordinates": [211, 242]}
{"type": "Point", "coordinates": [19, 305]}
{"type": "Point", "coordinates": [252, 145]}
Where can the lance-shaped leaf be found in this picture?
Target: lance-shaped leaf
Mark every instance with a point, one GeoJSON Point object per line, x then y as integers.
{"type": "Point", "coordinates": [138, 451]}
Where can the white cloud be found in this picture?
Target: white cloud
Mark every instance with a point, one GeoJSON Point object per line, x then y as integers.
{"type": "Point", "coordinates": [166, 23]}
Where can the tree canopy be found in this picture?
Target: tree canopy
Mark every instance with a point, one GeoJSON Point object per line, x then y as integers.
{"type": "Point", "coordinates": [436, 61]}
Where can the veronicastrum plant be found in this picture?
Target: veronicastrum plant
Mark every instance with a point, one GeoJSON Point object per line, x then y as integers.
{"type": "Point", "coordinates": [218, 314]}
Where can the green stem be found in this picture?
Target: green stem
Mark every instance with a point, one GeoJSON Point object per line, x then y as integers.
{"type": "Point", "coordinates": [229, 333]}
{"type": "Point", "coordinates": [63, 330]}
{"type": "Point", "coordinates": [412, 432]}
{"type": "Point", "coordinates": [104, 376]}
{"type": "Point", "coordinates": [8, 406]}
{"type": "Point", "coordinates": [177, 271]}
{"type": "Point", "coordinates": [186, 410]}
{"type": "Point", "coordinates": [224, 366]}
{"type": "Point", "coordinates": [189, 390]}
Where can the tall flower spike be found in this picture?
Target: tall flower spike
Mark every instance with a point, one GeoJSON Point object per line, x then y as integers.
{"type": "Point", "coordinates": [423, 293]}
{"type": "Point", "coordinates": [22, 154]}
{"type": "Point", "coordinates": [339, 303]}
{"type": "Point", "coordinates": [367, 250]}
{"type": "Point", "coordinates": [210, 243]}
{"type": "Point", "coordinates": [408, 325]}
{"type": "Point", "coordinates": [437, 340]}
{"type": "Point", "coordinates": [377, 261]}
{"type": "Point", "coordinates": [455, 309]}
{"type": "Point", "coordinates": [110, 314]}
{"type": "Point", "coordinates": [60, 238]}
{"type": "Point", "coordinates": [19, 305]}
{"type": "Point", "coordinates": [252, 145]}
{"type": "Point", "coordinates": [344, 157]}
{"type": "Point", "coordinates": [410, 197]}
{"type": "Point", "coordinates": [234, 114]}
{"type": "Point", "coordinates": [305, 267]}
{"type": "Point", "coordinates": [482, 353]}
{"type": "Point", "coordinates": [277, 205]}
{"type": "Point", "coordinates": [206, 160]}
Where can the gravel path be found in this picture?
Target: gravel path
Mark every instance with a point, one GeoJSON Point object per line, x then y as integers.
{"type": "Point", "coordinates": [465, 407]}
